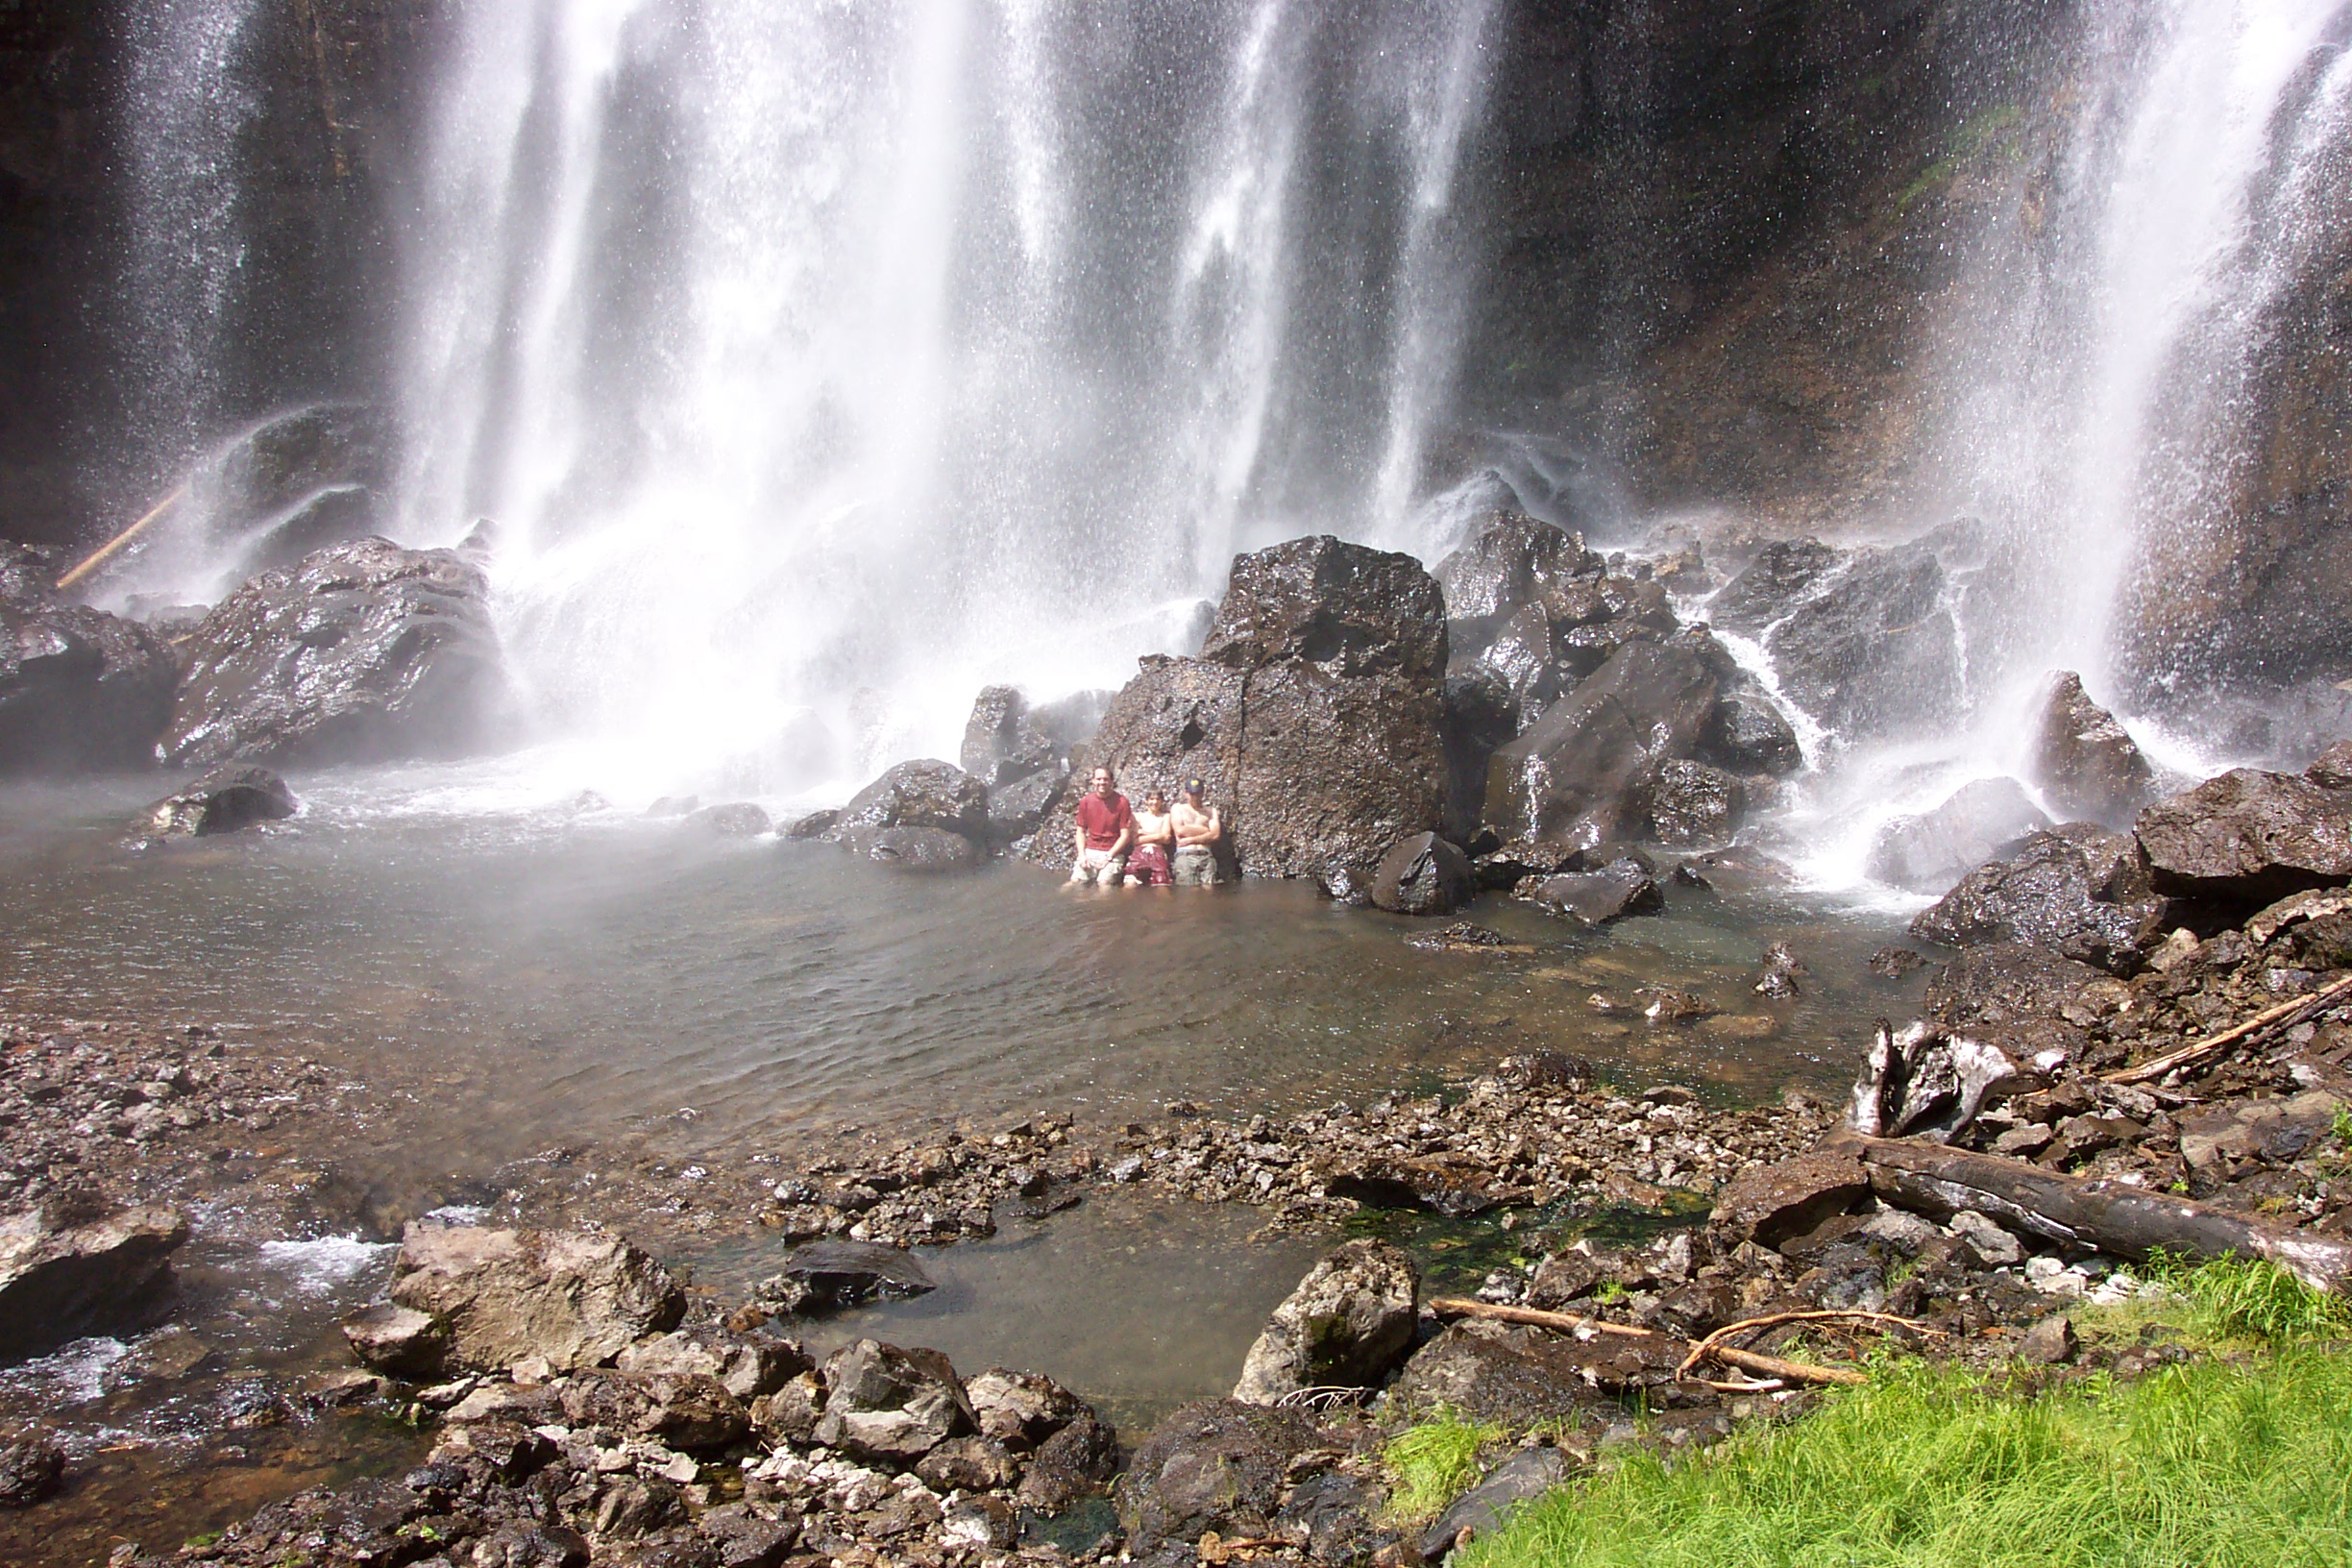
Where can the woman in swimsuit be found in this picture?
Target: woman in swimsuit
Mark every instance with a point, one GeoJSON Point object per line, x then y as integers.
{"type": "Point", "coordinates": [1148, 863]}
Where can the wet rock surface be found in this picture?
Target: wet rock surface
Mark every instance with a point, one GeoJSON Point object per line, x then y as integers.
{"type": "Point", "coordinates": [2084, 763]}
{"type": "Point", "coordinates": [1423, 875]}
{"type": "Point", "coordinates": [1875, 650]}
{"type": "Point", "coordinates": [80, 690]}
{"type": "Point", "coordinates": [2078, 890]}
{"type": "Point", "coordinates": [361, 651]}
{"type": "Point", "coordinates": [76, 1265]}
{"type": "Point", "coordinates": [2249, 837]}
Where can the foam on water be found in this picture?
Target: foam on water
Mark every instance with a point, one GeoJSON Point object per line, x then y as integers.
{"type": "Point", "coordinates": [327, 1265]}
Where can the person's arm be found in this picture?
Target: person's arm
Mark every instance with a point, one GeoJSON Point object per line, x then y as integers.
{"type": "Point", "coordinates": [1078, 839]}
{"type": "Point", "coordinates": [1216, 827]}
{"type": "Point", "coordinates": [1126, 840]}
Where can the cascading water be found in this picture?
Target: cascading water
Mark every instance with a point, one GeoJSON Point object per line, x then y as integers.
{"type": "Point", "coordinates": [2097, 401]}
{"type": "Point", "coordinates": [820, 363]}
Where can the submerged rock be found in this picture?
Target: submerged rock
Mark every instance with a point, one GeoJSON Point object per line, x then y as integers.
{"type": "Point", "coordinates": [80, 690]}
{"type": "Point", "coordinates": [1348, 1324]}
{"type": "Point", "coordinates": [577, 1299]}
{"type": "Point", "coordinates": [225, 800]}
{"type": "Point", "coordinates": [2249, 838]}
{"type": "Point", "coordinates": [362, 651]}
{"type": "Point", "coordinates": [1423, 875]}
{"type": "Point", "coordinates": [74, 1268]}
{"type": "Point", "coordinates": [1928, 853]}
{"type": "Point", "coordinates": [826, 1276]}
{"type": "Point", "coordinates": [736, 819]}
{"type": "Point", "coordinates": [2084, 763]}
{"type": "Point", "coordinates": [32, 1468]}
{"type": "Point", "coordinates": [1621, 889]}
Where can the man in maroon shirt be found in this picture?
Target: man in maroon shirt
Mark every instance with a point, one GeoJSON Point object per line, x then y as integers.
{"type": "Point", "coordinates": [1106, 832]}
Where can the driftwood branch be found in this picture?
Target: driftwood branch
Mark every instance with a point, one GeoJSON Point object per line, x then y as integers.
{"type": "Point", "coordinates": [2092, 1215]}
{"type": "Point", "coordinates": [1710, 1346]}
{"type": "Point", "coordinates": [106, 552]}
{"type": "Point", "coordinates": [2198, 1052]}
{"type": "Point", "coordinates": [1747, 1360]}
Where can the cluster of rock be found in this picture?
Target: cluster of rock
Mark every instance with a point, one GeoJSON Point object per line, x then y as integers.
{"type": "Point", "coordinates": [361, 651]}
{"type": "Point", "coordinates": [581, 1412]}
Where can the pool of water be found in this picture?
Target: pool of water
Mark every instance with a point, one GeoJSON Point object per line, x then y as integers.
{"type": "Point", "coordinates": [535, 976]}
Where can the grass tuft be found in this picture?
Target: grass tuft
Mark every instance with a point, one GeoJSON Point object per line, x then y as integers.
{"type": "Point", "coordinates": [1431, 1464]}
{"type": "Point", "coordinates": [2252, 1299]}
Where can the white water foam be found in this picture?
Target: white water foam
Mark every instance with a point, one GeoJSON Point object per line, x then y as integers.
{"type": "Point", "coordinates": [327, 1265]}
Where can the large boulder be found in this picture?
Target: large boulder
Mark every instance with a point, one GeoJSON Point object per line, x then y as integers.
{"type": "Point", "coordinates": [922, 793]}
{"type": "Point", "coordinates": [1581, 774]}
{"type": "Point", "coordinates": [577, 1299]}
{"type": "Point", "coordinates": [1511, 563]}
{"type": "Point", "coordinates": [1524, 661]}
{"type": "Point", "coordinates": [362, 651]}
{"type": "Point", "coordinates": [1692, 803]}
{"type": "Point", "coordinates": [2249, 838]}
{"type": "Point", "coordinates": [1000, 743]}
{"type": "Point", "coordinates": [884, 1403]}
{"type": "Point", "coordinates": [225, 800]}
{"type": "Point", "coordinates": [1773, 583]}
{"type": "Point", "coordinates": [1749, 735]}
{"type": "Point", "coordinates": [2084, 762]}
{"type": "Point", "coordinates": [298, 482]}
{"type": "Point", "coordinates": [1928, 853]}
{"type": "Point", "coordinates": [1313, 715]}
{"type": "Point", "coordinates": [1215, 1465]}
{"type": "Point", "coordinates": [1423, 875]}
{"type": "Point", "coordinates": [76, 1268]}
{"type": "Point", "coordinates": [1346, 609]}
{"type": "Point", "coordinates": [78, 688]}
{"type": "Point", "coordinates": [1874, 652]}
{"type": "Point", "coordinates": [1348, 1324]}
{"type": "Point", "coordinates": [2078, 890]}
{"type": "Point", "coordinates": [2008, 983]}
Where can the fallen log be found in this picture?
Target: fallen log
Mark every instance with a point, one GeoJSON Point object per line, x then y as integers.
{"type": "Point", "coordinates": [2286, 1016]}
{"type": "Point", "coordinates": [1747, 1360]}
{"type": "Point", "coordinates": [2093, 1215]}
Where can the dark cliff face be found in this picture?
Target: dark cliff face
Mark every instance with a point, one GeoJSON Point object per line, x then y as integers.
{"type": "Point", "coordinates": [100, 402]}
{"type": "Point", "coordinates": [1723, 229]}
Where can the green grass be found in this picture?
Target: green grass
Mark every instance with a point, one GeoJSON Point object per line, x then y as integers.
{"type": "Point", "coordinates": [1431, 1464]}
{"type": "Point", "coordinates": [2214, 1463]}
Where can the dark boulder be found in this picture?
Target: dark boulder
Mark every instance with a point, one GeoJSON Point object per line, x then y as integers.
{"type": "Point", "coordinates": [736, 819]}
{"type": "Point", "coordinates": [74, 1268]}
{"type": "Point", "coordinates": [78, 688]}
{"type": "Point", "coordinates": [2078, 890]}
{"type": "Point", "coordinates": [921, 794]}
{"type": "Point", "coordinates": [1335, 769]}
{"type": "Point", "coordinates": [1579, 775]}
{"type": "Point", "coordinates": [32, 1468]}
{"type": "Point", "coordinates": [1768, 589]}
{"type": "Point", "coordinates": [1349, 1323]}
{"type": "Point", "coordinates": [1346, 609]}
{"type": "Point", "coordinates": [2249, 838]}
{"type": "Point", "coordinates": [1000, 744]}
{"type": "Point", "coordinates": [362, 651]}
{"type": "Point", "coordinates": [815, 825]}
{"type": "Point", "coordinates": [1455, 1186]}
{"type": "Point", "coordinates": [1522, 1377]}
{"type": "Point", "coordinates": [1018, 809]}
{"type": "Point", "coordinates": [1691, 803]}
{"type": "Point", "coordinates": [1071, 1465]}
{"type": "Point", "coordinates": [298, 482]}
{"type": "Point", "coordinates": [829, 1275]}
{"type": "Point", "coordinates": [1928, 853]}
{"type": "Point", "coordinates": [1618, 890]}
{"type": "Point", "coordinates": [884, 1403]}
{"type": "Point", "coordinates": [2084, 763]}
{"type": "Point", "coordinates": [1423, 875]}
{"type": "Point", "coordinates": [1479, 715]}
{"type": "Point", "coordinates": [1874, 652]}
{"type": "Point", "coordinates": [1511, 562]}
{"type": "Point", "coordinates": [1747, 735]}
{"type": "Point", "coordinates": [1522, 661]}
{"type": "Point", "coordinates": [1215, 1465]}
{"type": "Point", "coordinates": [223, 800]}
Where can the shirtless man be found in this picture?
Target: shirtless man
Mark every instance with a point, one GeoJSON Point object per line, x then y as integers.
{"type": "Point", "coordinates": [1198, 828]}
{"type": "Point", "coordinates": [1106, 829]}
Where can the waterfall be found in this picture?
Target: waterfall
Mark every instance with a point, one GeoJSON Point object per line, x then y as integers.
{"type": "Point", "coordinates": [819, 362]}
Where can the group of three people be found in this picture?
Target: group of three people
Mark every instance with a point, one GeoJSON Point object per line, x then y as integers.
{"type": "Point", "coordinates": [1155, 847]}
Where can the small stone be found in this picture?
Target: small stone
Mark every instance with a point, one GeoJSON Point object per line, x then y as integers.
{"type": "Point", "coordinates": [1994, 1246]}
